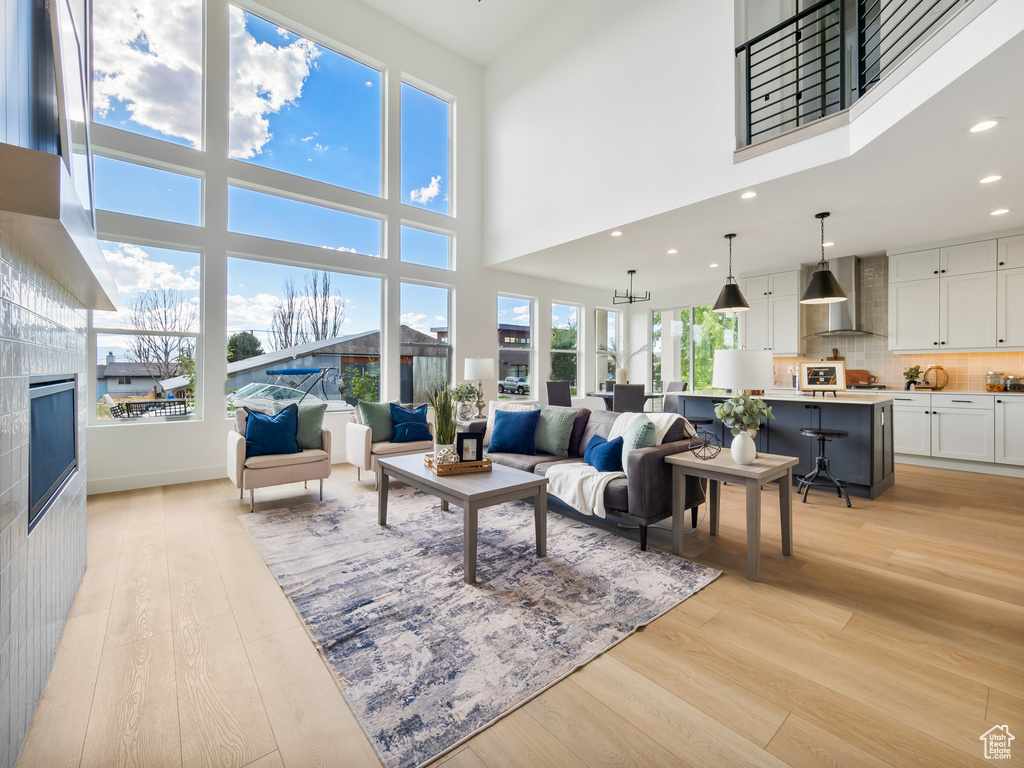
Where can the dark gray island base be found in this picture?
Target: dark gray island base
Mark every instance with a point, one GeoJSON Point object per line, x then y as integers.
{"type": "Point", "coordinates": [864, 459]}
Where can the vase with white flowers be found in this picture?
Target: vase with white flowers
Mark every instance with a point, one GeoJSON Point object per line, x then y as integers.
{"type": "Point", "coordinates": [743, 415]}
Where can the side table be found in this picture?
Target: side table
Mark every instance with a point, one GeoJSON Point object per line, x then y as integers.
{"type": "Point", "coordinates": [767, 468]}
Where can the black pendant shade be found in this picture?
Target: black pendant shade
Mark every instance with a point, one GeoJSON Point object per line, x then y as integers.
{"type": "Point", "coordinates": [823, 288]}
{"type": "Point", "coordinates": [731, 298]}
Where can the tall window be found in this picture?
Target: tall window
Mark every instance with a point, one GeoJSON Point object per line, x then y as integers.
{"type": "Point", "coordinates": [685, 341]}
{"type": "Point", "coordinates": [148, 68]}
{"type": "Point", "coordinates": [608, 348]}
{"type": "Point", "coordinates": [421, 246]}
{"type": "Point", "coordinates": [565, 344]}
{"type": "Point", "coordinates": [141, 190]}
{"type": "Point", "coordinates": [146, 351]}
{"type": "Point", "coordinates": [301, 108]}
{"type": "Point", "coordinates": [515, 338]}
{"type": "Point", "coordinates": [426, 346]}
{"type": "Point", "coordinates": [291, 318]}
{"type": "Point", "coordinates": [426, 150]}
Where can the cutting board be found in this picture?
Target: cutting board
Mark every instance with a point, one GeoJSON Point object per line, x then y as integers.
{"type": "Point", "coordinates": [857, 376]}
{"type": "Point", "coordinates": [835, 355]}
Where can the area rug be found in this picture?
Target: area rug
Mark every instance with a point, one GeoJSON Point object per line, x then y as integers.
{"type": "Point", "coordinates": [426, 660]}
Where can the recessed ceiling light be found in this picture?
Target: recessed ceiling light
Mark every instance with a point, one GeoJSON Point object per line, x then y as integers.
{"type": "Point", "coordinates": [673, 250]}
{"type": "Point", "coordinates": [984, 125]}
{"type": "Point", "coordinates": [616, 233]}
{"type": "Point", "coordinates": [1000, 211]}
{"type": "Point", "coordinates": [828, 245]}
{"type": "Point", "coordinates": [713, 266]}
{"type": "Point", "coordinates": [990, 179]}
{"type": "Point", "coordinates": [748, 195]}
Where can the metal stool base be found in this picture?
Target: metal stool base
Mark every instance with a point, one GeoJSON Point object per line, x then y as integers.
{"type": "Point", "coordinates": [821, 467]}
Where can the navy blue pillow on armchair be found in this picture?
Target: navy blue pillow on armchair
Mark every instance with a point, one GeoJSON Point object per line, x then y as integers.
{"type": "Point", "coordinates": [267, 435]}
{"type": "Point", "coordinates": [514, 432]}
{"type": "Point", "coordinates": [604, 456]}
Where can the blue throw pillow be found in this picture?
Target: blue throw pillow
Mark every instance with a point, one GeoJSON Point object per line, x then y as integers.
{"type": "Point", "coordinates": [400, 415]}
{"type": "Point", "coordinates": [267, 435]}
{"type": "Point", "coordinates": [410, 432]}
{"type": "Point", "coordinates": [514, 432]}
{"type": "Point", "coordinates": [604, 456]}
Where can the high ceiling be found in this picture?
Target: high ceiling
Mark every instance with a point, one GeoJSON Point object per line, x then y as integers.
{"type": "Point", "coordinates": [916, 183]}
{"type": "Point", "coordinates": [477, 30]}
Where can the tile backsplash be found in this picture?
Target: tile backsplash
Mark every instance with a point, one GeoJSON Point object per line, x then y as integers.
{"type": "Point", "coordinates": [42, 331]}
{"type": "Point", "coordinates": [871, 353]}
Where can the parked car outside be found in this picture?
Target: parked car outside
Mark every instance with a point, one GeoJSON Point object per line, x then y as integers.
{"type": "Point", "coordinates": [517, 384]}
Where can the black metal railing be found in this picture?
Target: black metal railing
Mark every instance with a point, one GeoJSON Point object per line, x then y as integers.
{"type": "Point", "coordinates": [802, 70]}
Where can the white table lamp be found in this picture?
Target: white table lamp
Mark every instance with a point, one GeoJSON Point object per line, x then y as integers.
{"type": "Point", "coordinates": [743, 369]}
{"type": "Point", "coordinates": [479, 368]}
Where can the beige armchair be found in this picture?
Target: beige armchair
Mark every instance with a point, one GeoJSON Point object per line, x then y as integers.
{"type": "Point", "coordinates": [363, 453]}
{"type": "Point", "coordinates": [264, 471]}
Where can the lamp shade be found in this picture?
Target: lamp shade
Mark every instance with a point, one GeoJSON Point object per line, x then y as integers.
{"type": "Point", "coordinates": [479, 368]}
{"type": "Point", "coordinates": [743, 369]}
{"type": "Point", "coordinates": [823, 289]}
{"type": "Point", "coordinates": [730, 300]}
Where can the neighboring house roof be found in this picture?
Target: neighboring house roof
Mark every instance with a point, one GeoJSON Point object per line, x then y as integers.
{"type": "Point", "coordinates": [511, 327]}
{"type": "Point", "coordinates": [119, 370]}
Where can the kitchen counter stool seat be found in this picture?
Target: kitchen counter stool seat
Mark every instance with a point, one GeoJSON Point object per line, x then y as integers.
{"type": "Point", "coordinates": [821, 465]}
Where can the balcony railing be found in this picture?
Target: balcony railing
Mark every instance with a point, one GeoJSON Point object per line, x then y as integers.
{"type": "Point", "coordinates": [826, 57]}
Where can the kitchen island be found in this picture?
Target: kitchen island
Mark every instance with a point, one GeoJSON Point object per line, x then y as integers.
{"type": "Point", "coordinates": [864, 459]}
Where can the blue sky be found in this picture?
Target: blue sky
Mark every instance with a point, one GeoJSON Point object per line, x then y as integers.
{"type": "Point", "coordinates": [513, 311]}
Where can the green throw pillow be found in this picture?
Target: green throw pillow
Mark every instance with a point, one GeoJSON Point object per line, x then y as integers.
{"type": "Point", "coordinates": [639, 435]}
{"type": "Point", "coordinates": [311, 423]}
{"type": "Point", "coordinates": [553, 431]}
{"type": "Point", "coordinates": [377, 416]}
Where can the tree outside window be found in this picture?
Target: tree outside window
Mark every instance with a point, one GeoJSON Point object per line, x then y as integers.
{"type": "Point", "coordinates": [565, 344]}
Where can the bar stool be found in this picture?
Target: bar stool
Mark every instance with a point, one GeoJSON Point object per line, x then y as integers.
{"type": "Point", "coordinates": [821, 465]}
{"type": "Point", "coordinates": [697, 422]}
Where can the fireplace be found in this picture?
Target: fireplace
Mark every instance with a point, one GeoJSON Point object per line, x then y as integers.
{"type": "Point", "coordinates": [53, 444]}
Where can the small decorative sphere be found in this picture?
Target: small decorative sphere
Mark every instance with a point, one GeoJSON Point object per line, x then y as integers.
{"type": "Point", "coordinates": [710, 445]}
{"type": "Point", "coordinates": [446, 456]}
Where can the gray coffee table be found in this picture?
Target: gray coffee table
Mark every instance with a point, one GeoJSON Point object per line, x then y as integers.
{"type": "Point", "coordinates": [471, 492]}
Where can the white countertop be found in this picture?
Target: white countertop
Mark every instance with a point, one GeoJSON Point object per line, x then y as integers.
{"type": "Point", "coordinates": [845, 397]}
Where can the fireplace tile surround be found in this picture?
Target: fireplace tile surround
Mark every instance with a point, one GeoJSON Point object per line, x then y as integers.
{"type": "Point", "coordinates": [42, 331]}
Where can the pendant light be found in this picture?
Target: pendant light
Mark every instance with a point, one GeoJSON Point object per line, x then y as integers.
{"type": "Point", "coordinates": [823, 288]}
{"type": "Point", "coordinates": [730, 299]}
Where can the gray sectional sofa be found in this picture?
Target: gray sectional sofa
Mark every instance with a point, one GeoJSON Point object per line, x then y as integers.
{"type": "Point", "coordinates": [644, 496]}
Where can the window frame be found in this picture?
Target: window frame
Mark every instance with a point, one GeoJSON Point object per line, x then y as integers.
{"type": "Point", "coordinates": [529, 345]}
{"type": "Point", "coordinates": [578, 308]}
{"type": "Point", "coordinates": [437, 93]}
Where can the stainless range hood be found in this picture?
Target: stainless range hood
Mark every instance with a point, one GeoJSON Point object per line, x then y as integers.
{"type": "Point", "coordinates": [843, 317]}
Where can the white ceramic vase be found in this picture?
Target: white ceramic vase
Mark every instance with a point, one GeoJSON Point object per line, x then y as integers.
{"type": "Point", "coordinates": [743, 449]}
{"type": "Point", "coordinates": [620, 376]}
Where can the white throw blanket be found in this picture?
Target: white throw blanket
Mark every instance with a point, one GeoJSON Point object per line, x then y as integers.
{"type": "Point", "coordinates": [580, 486]}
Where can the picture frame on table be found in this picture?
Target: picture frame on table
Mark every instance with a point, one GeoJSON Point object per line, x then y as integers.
{"type": "Point", "coordinates": [823, 376]}
{"type": "Point", "coordinates": [470, 446]}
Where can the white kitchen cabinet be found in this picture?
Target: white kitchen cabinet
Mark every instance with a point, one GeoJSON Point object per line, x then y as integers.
{"type": "Point", "coordinates": [773, 320]}
{"type": "Point", "coordinates": [913, 266]}
{"type": "Point", "coordinates": [967, 258]}
{"type": "Point", "coordinates": [912, 424]}
{"type": "Point", "coordinates": [967, 311]}
{"type": "Point", "coordinates": [1009, 425]}
{"type": "Point", "coordinates": [963, 427]}
{"type": "Point", "coordinates": [914, 314]}
{"type": "Point", "coordinates": [1010, 308]}
{"type": "Point", "coordinates": [1011, 252]}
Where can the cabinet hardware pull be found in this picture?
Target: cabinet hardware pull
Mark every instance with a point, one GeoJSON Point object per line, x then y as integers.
{"type": "Point", "coordinates": [942, 342]}
{"type": "Point", "coordinates": [999, 401]}
{"type": "Point", "coordinates": [935, 342]}
{"type": "Point", "coordinates": [1001, 263]}
{"type": "Point", "coordinates": [943, 271]}
{"type": "Point", "coordinates": [961, 401]}
{"type": "Point", "coordinates": [935, 272]}
{"type": "Point", "coordinates": [1000, 341]}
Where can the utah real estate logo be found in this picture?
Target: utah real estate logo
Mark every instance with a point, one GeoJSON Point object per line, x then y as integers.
{"type": "Point", "coordinates": [997, 742]}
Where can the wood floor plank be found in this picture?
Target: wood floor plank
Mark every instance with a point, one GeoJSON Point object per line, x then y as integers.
{"type": "Point", "coordinates": [801, 744]}
{"type": "Point", "coordinates": [593, 731]}
{"type": "Point", "coordinates": [519, 741]}
{"type": "Point", "coordinates": [58, 730]}
{"type": "Point", "coordinates": [312, 724]}
{"type": "Point", "coordinates": [273, 760]}
{"type": "Point", "coordinates": [464, 758]}
{"type": "Point", "coordinates": [134, 719]}
{"type": "Point", "coordinates": [698, 739]}
{"type": "Point", "coordinates": [104, 537]}
{"type": "Point", "coordinates": [1004, 708]}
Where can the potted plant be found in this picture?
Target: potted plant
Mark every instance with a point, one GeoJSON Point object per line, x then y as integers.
{"type": "Point", "coordinates": [465, 394]}
{"type": "Point", "coordinates": [441, 398]}
{"type": "Point", "coordinates": [911, 375]}
{"type": "Point", "coordinates": [743, 414]}
{"type": "Point", "coordinates": [621, 357]}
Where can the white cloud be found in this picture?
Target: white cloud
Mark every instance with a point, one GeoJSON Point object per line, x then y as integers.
{"type": "Point", "coordinates": [339, 248]}
{"type": "Point", "coordinates": [134, 272]}
{"type": "Point", "coordinates": [264, 79]}
{"type": "Point", "coordinates": [149, 54]}
{"type": "Point", "coordinates": [417, 321]}
{"type": "Point", "coordinates": [522, 319]}
{"type": "Point", "coordinates": [426, 194]}
{"type": "Point", "coordinates": [523, 309]}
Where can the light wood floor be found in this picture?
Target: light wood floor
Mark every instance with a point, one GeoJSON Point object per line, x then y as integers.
{"type": "Point", "coordinates": [893, 636]}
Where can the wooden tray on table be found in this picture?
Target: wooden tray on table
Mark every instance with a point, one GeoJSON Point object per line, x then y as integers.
{"type": "Point", "coordinates": [459, 468]}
